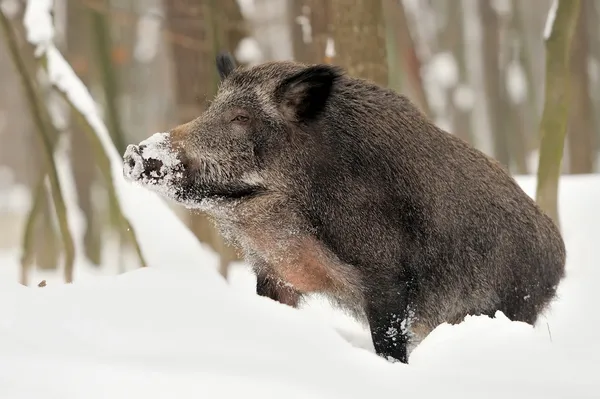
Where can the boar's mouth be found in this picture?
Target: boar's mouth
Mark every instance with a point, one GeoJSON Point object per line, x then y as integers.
{"type": "Point", "coordinates": [229, 191]}
{"type": "Point", "coordinates": [160, 169]}
{"type": "Point", "coordinates": [208, 181]}
{"type": "Point", "coordinates": [196, 190]}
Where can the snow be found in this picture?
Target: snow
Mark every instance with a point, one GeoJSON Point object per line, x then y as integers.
{"type": "Point", "coordinates": [330, 48]}
{"type": "Point", "coordinates": [10, 8]}
{"type": "Point", "coordinates": [440, 75]}
{"type": "Point", "coordinates": [247, 7]}
{"type": "Point", "coordinates": [155, 148]}
{"type": "Point", "coordinates": [7, 177]}
{"type": "Point", "coordinates": [516, 82]}
{"type": "Point", "coordinates": [148, 35]}
{"type": "Point", "coordinates": [443, 70]}
{"type": "Point", "coordinates": [176, 329]}
{"type": "Point", "coordinates": [143, 208]}
{"type": "Point", "coordinates": [550, 19]}
{"type": "Point", "coordinates": [38, 23]}
{"type": "Point", "coordinates": [169, 332]}
{"type": "Point", "coordinates": [502, 7]}
{"type": "Point", "coordinates": [14, 199]}
{"type": "Point", "coordinates": [463, 97]}
{"type": "Point", "coordinates": [306, 27]}
{"type": "Point", "coordinates": [248, 51]}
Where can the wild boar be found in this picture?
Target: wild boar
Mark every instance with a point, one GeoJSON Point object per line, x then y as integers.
{"type": "Point", "coordinates": [332, 184]}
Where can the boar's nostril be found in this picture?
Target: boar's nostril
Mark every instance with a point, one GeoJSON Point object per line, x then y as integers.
{"type": "Point", "coordinates": [153, 167]}
{"type": "Point", "coordinates": [132, 149]}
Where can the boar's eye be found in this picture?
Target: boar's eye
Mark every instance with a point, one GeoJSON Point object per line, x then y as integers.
{"type": "Point", "coordinates": [240, 118]}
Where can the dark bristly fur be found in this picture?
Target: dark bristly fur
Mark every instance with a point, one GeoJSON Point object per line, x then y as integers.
{"type": "Point", "coordinates": [345, 188]}
{"type": "Point", "coordinates": [225, 64]}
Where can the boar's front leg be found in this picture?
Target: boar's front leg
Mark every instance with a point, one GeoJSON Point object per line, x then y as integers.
{"type": "Point", "coordinates": [270, 286]}
{"type": "Point", "coordinates": [386, 313]}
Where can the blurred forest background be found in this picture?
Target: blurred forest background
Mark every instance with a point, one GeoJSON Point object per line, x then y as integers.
{"type": "Point", "coordinates": [475, 67]}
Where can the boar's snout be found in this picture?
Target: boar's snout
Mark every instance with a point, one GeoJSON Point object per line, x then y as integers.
{"type": "Point", "coordinates": [136, 165]}
{"type": "Point", "coordinates": [152, 161]}
{"type": "Point", "coordinates": [133, 163]}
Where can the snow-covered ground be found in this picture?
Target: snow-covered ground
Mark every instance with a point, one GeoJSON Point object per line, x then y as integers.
{"type": "Point", "coordinates": [179, 332]}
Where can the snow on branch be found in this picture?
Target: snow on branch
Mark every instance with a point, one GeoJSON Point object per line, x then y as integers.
{"type": "Point", "coordinates": [40, 33]}
{"type": "Point", "coordinates": [550, 19]}
{"type": "Point", "coordinates": [148, 214]}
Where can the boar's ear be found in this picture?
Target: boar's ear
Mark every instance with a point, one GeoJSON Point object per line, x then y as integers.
{"type": "Point", "coordinates": [303, 95]}
{"type": "Point", "coordinates": [225, 64]}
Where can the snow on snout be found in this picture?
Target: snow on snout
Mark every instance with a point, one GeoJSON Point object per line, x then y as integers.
{"type": "Point", "coordinates": [133, 165]}
{"type": "Point", "coordinates": [153, 164]}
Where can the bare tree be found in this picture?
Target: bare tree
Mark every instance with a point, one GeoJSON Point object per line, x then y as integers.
{"type": "Point", "coordinates": [493, 83]}
{"type": "Point", "coordinates": [359, 37]}
{"type": "Point", "coordinates": [592, 13]}
{"type": "Point", "coordinates": [581, 134]}
{"type": "Point", "coordinates": [311, 28]}
{"type": "Point", "coordinates": [84, 172]}
{"type": "Point", "coordinates": [216, 25]}
{"type": "Point", "coordinates": [561, 27]}
{"type": "Point", "coordinates": [403, 60]}
{"type": "Point", "coordinates": [452, 40]}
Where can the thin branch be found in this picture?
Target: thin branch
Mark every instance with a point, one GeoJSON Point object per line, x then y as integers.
{"type": "Point", "coordinates": [105, 168]}
{"type": "Point", "coordinates": [27, 255]}
{"type": "Point", "coordinates": [108, 77]}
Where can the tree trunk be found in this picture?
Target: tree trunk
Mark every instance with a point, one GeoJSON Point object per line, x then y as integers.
{"type": "Point", "coordinates": [403, 61]}
{"type": "Point", "coordinates": [556, 105]}
{"type": "Point", "coordinates": [514, 127]}
{"type": "Point", "coordinates": [213, 23]}
{"type": "Point", "coordinates": [592, 12]}
{"type": "Point", "coordinates": [359, 37]}
{"type": "Point", "coordinates": [451, 39]}
{"type": "Point", "coordinates": [493, 82]}
{"type": "Point", "coordinates": [315, 13]}
{"type": "Point", "coordinates": [298, 15]}
{"type": "Point", "coordinates": [529, 111]}
{"type": "Point", "coordinates": [84, 170]}
{"type": "Point", "coordinates": [109, 80]}
{"type": "Point", "coordinates": [581, 133]}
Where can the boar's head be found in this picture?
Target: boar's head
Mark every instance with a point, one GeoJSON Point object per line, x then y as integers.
{"type": "Point", "coordinates": [256, 136]}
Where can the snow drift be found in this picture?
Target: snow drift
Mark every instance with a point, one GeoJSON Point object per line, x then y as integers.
{"type": "Point", "coordinates": [171, 332]}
